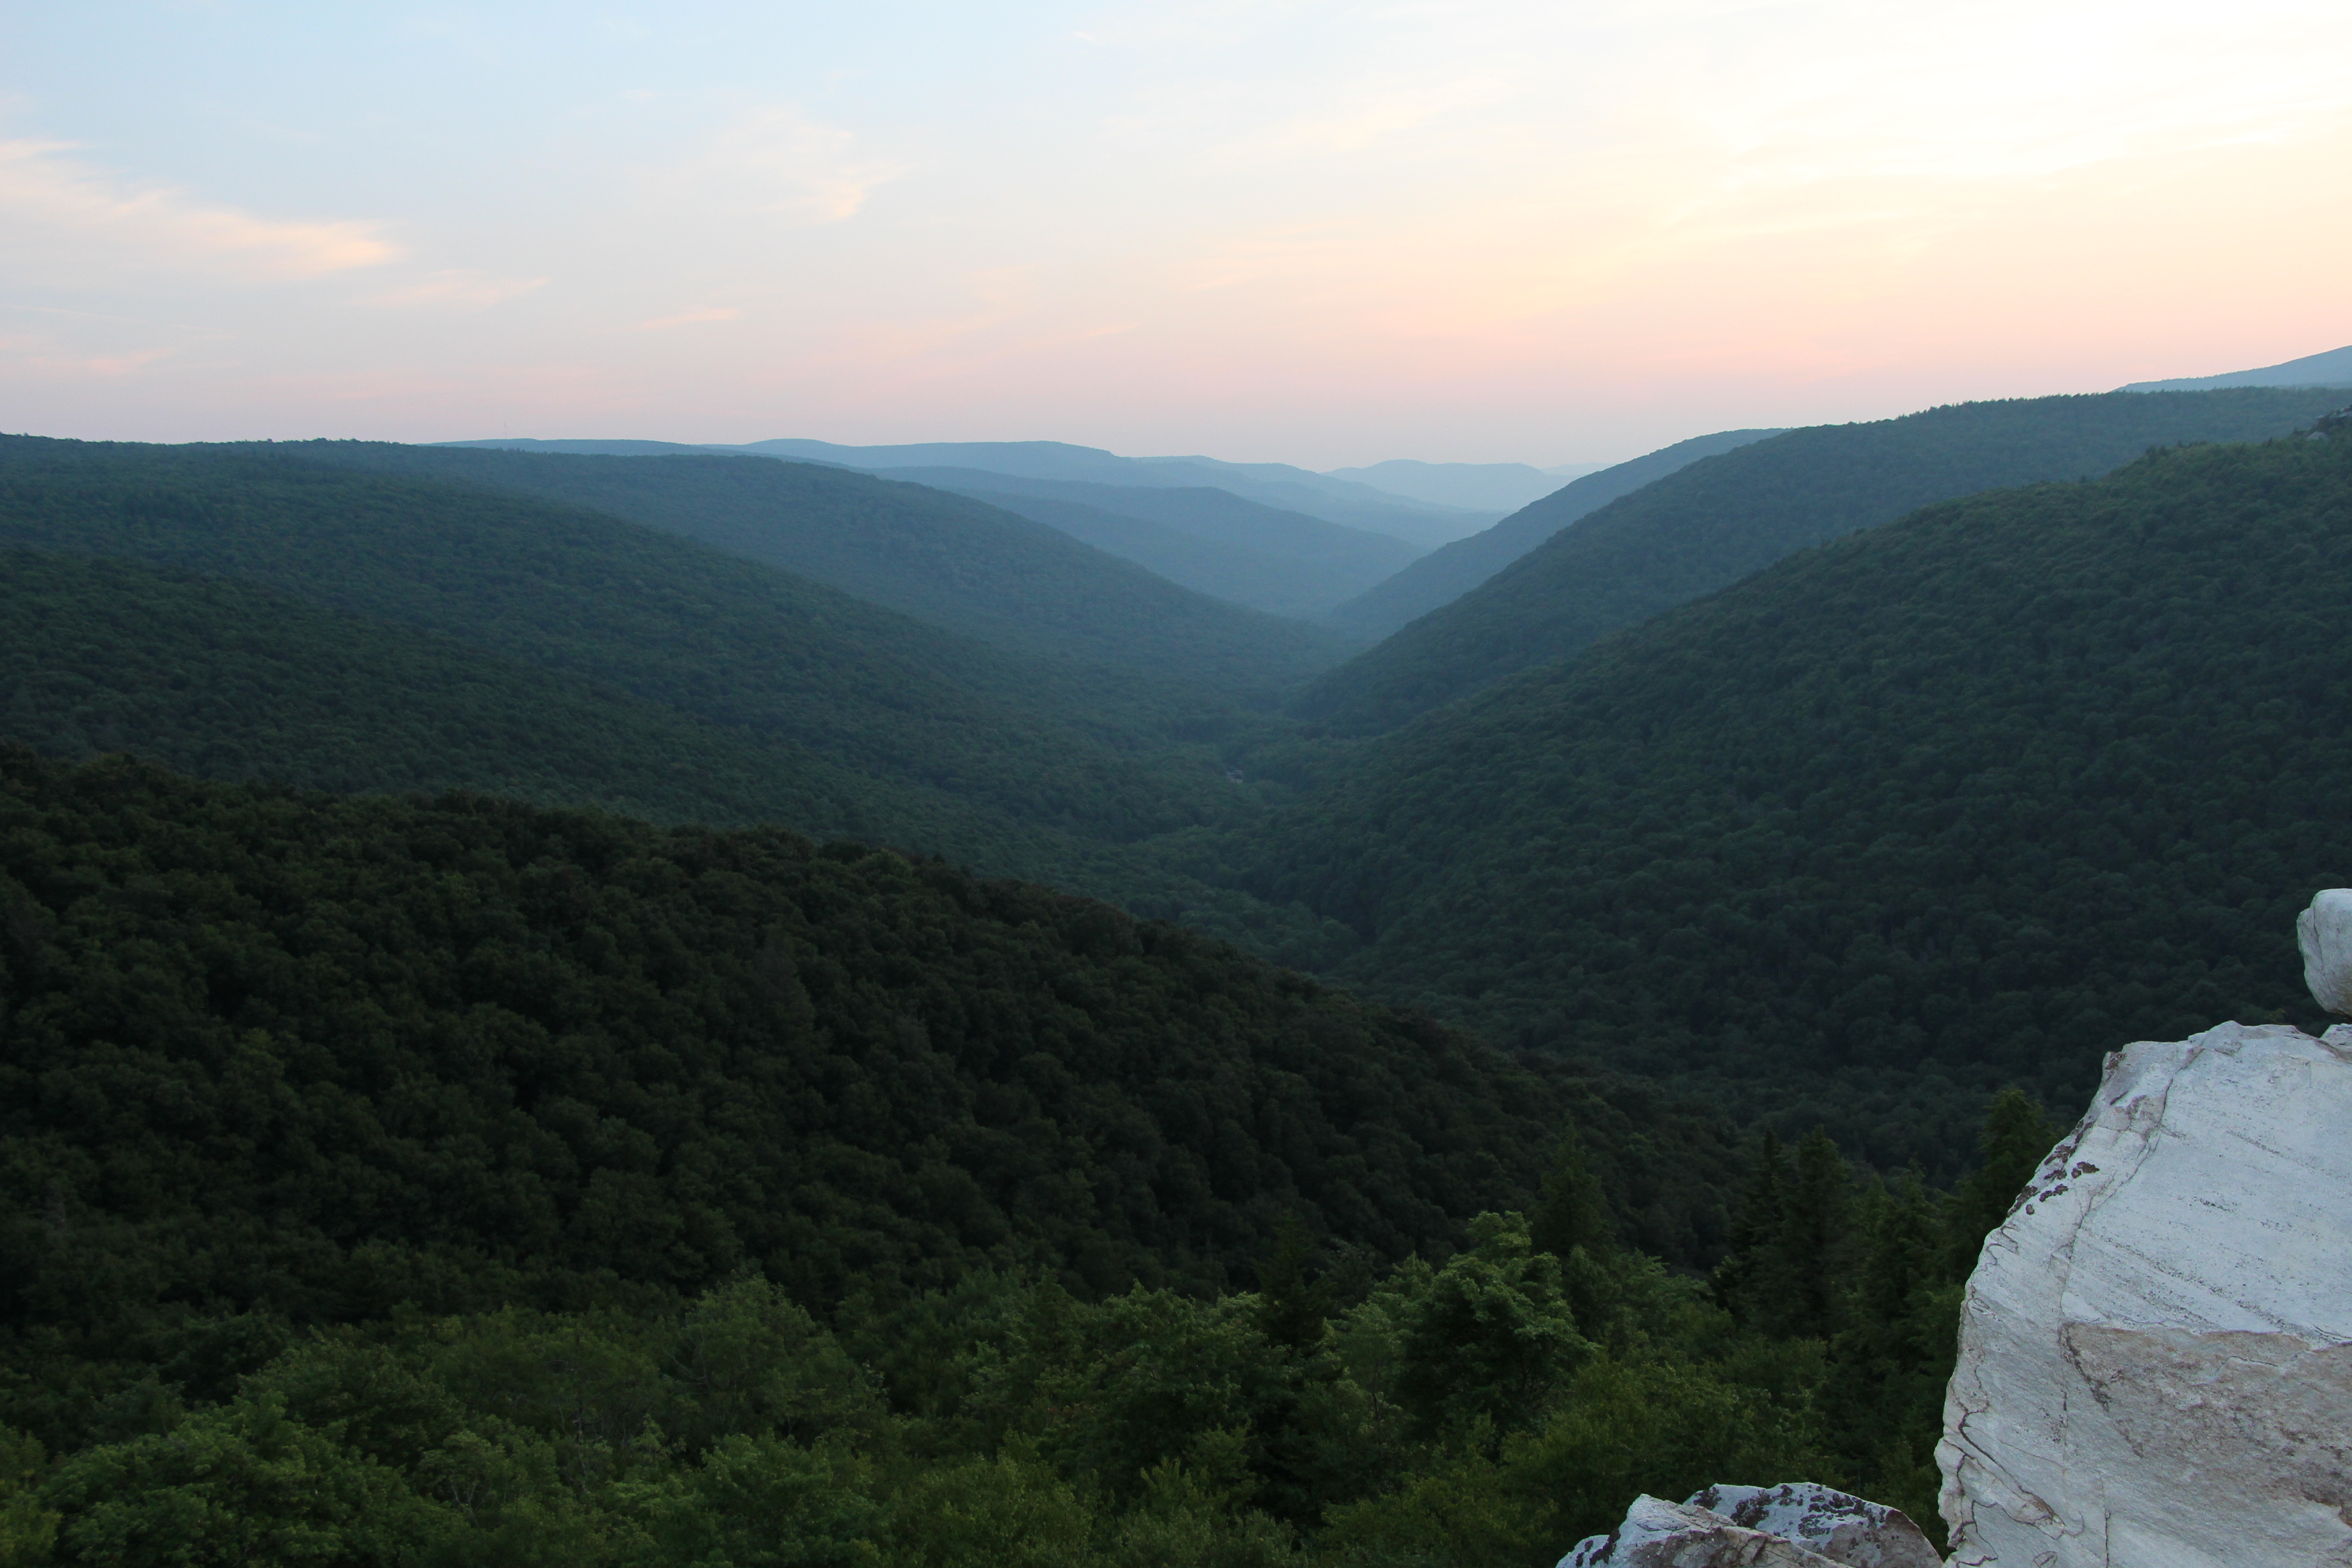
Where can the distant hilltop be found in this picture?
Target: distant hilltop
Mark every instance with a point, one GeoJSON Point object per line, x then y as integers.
{"type": "Point", "coordinates": [2333, 368]}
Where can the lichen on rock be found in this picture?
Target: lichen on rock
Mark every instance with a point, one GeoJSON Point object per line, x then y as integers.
{"type": "Point", "coordinates": [1797, 1524]}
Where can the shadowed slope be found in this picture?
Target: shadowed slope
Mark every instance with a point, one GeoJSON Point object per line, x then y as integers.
{"type": "Point", "coordinates": [1970, 799]}
{"type": "Point", "coordinates": [942, 558]}
{"type": "Point", "coordinates": [1720, 518]}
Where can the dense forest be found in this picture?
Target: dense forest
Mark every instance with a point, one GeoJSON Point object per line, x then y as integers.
{"type": "Point", "coordinates": [420, 1181]}
{"type": "Point", "coordinates": [1715, 522]}
{"type": "Point", "coordinates": [883, 725]}
{"type": "Point", "coordinates": [548, 1068]}
{"type": "Point", "coordinates": [1968, 799]}
{"type": "Point", "coordinates": [942, 558]}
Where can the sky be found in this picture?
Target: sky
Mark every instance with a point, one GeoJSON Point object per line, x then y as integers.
{"type": "Point", "coordinates": [1297, 231]}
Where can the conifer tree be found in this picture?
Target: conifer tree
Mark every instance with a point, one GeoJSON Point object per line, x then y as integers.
{"type": "Point", "coordinates": [2017, 1133]}
{"type": "Point", "coordinates": [1292, 1310]}
{"type": "Point", "coordinates": [1798, 1299]}
{"type": "Point", "coordinates": [1736, 1276]}
{"type": "Point", "coordinates": [1573, 1210]}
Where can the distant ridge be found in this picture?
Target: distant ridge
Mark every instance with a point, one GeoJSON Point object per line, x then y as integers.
{"type": "Point", "coordinates": [1444, 575]}
{"type": "Point", "coordinates": [1478, 486]}
{"type": "Point", "coordinates": [1280, 485]}
{"type": "Point", "coordinates": [1706, 526]}
{"type": "Point", "coordinates": [1328, 562]}
{"type": "Point", "coordinates": [2333, 368]}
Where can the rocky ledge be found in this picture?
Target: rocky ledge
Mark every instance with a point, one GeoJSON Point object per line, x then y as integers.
{"type": "Point", "coordinates": [2155, 1349]}
{"type": "Point", "coordinates": [1796, 1524]}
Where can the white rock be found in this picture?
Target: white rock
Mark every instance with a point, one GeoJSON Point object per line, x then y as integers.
{"type": "Point", "coordinates": [2325, 931]}
{"type": "Point", "coordinates": [1660, 1534]}
{"type": "Point", "coordinates": [1838, 1525]}
{"type": "Point", "coordinates": [2156, 1348]}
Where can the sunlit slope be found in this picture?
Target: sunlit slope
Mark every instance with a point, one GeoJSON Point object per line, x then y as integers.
{"type": "Point", "coordinates": [660, 617]}
{"type": "Point", "coordinates": [1446, 573]}
{"type": "Point", "coordinates": [1969, 798]}
{"type": "Point", "coordinates": [953, 562]}
{"type": "Point", "coordinates": [1720, 518]}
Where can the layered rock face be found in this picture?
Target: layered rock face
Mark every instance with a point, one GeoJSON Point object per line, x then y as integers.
{"type": "Point", "coordinates": [2155, 1349]}
{"type": "Point", "coordinates": [1796, 1524]}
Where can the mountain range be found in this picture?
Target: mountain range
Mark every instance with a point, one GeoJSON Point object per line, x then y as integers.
{"type": "Point", "coordinates": [1711, 522]}
{"type": "Point", "coordinates": [660, 1005]}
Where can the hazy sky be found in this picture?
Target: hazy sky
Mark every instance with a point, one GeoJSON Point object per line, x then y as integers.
{"type": "Point", "coordinates": [1323, 233]}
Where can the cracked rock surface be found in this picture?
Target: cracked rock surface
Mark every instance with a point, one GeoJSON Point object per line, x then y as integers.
{"type": "Point", "coordinates": [2156, 1347]}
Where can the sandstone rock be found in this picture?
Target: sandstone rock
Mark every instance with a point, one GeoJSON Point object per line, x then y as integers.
{"type": "Point", "coordinates": [1838, 1525]}
{"type": "Point", "coordinates": [2325, 929]}
{"type": "Point", "coordinates": [1796, 1524]}
{"type": "Point", "coordinates": [2156, 1348]}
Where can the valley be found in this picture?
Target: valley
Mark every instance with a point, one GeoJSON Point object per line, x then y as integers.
{"type": "Point", "coordinates": [995, 1001]}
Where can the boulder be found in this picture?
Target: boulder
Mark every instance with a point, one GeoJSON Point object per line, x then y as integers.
{"type": "Point", "coordinates": [2156, 1347]}
{"type": "Point", "coordinates": [1837, 1525]}
{"type": "Point", "coordinates": [2325, 929]}
{"type": "Point", "coordinates": [1796, 1524]}
{"type": "Point", "coordinates": [1660, 1534]}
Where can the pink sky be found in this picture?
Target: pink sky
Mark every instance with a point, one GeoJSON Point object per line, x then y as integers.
{"type": "Point", "coordinates": [1313, 233]}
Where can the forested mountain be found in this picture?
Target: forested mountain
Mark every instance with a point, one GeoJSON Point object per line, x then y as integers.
{"type": "Point", "coordinates": [778, 659]}
{"type": "Point", "coordinates": [1971, 798]}
{"type": "Point", "coordinates": [230, 679]}
{"type": "Point", "coordinates": [1276, 485]}
{"type": "Point", "coordinates": [2333, 368]}
{"type": "Point", "coordinates": [407, 1181]}
{"type": "Point", "coordinates": [1278, 585]}
{"type": "Point", "coordinates": [942, 558]}
{"type": "Point", "coordinates": [1420, 523]}
{"type": "Point", "coordinates": [1324, 561]}
{"type": "Point", "coordinates": [1446, 573]}
{"type": "Point", "coordinates": [1718, 520]}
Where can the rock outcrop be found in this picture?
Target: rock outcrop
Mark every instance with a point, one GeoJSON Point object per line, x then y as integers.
{"type": "Point", "coordinates": [2156, 1348]}
{"type": "Point", "coordinates": [2325, 931]}
{"type": "Point", "coordinates": [1793, 1525]}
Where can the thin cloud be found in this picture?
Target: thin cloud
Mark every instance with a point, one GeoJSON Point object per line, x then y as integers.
{"type": "Point", "coordinates": [461, 287]}
{"type": "Point", "coordinates": [688, 318]}
{"type": "Point", "coordinates": [70, 219]}
{"type": "Point", "coordinates": [777, 161]}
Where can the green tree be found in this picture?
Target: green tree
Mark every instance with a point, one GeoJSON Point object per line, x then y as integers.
{"type": "Point", "coordinates": [1292, 1310]}
{"type": "Point", "coordinates": [1492, 1335]}
{"type": "Point", "coordinates": [2016, 1134]}
{"type": "Point", "coordinates": [1573, 1210]}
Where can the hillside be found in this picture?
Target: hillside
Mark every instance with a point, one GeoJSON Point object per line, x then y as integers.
{"type": "Point", "coordinates": [689, 1052]}
{"type": "Point", "coordinates": [404, 1182]}
{"type": "Point", "coordinates": [664, 618]}
{"type": "Point", "coordinates": [941, 558]}
{"type": "Point", "coordinates": [1278, 485]}
{"type": "Point", "coordinates": [1718, 520]}
{"type": "Point", "coordinates": [232, 680]}
{"type": "Point", "coordinates": [1966, 799]}
{"type": "Point", "coordinates": [2333, 368]}
{"type": "Point", "coordinates": [1320, 563]}
{"type": "Point", "coordinates": [1276, 584]}
{"type": "Point", "coordinates": [1445, 575]}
